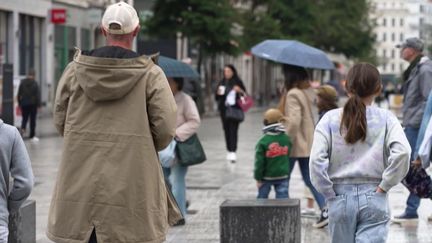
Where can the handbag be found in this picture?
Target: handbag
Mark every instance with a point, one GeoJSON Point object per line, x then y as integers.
{"type": "Point", "coordinates": [190, 152]}
{"type": "Point", "coordinates": [245, 102]}
{"type": "Point", "coordinates": [167, 155]}
{"type": "Point", "coordinates": [418, 182]}
{"type": "Point", "coordinates": [234, 114]}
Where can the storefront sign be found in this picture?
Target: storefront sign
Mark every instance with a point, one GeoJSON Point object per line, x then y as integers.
{"type": "Point", "coordinates": [58, 16]}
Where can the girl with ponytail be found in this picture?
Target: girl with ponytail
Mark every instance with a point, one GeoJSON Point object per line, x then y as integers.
{"type": "Point", "coordinates": [359, 153]}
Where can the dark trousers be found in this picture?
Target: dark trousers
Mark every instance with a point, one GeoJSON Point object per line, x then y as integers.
{"type": "Point", "coordinates": [93, 237]}
{"type": "Point", "coordinates": [231, 133]}
{"type": "Point", "coordinates": [29, 111]}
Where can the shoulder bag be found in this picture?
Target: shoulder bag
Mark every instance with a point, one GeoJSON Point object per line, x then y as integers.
{"type": "Point", "coordinates": [190, 152]}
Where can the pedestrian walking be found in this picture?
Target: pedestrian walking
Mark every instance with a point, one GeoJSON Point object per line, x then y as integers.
{"type": "Point", "coordinates": [116, 111]}
{"type": "Point", "coordinates": [417, 84]}
{"type": "Point", "coordinates": [359, 153]}
{"type": "Point", "coordinates": [229, 90]}
{"type": "Point", "coordinates": [327, 97]}
{"type": "Point", "coordinates": [15, 162]}
{"type": "Point", "coordinates": [271, 156]}
{"type": "Point", "coordinates": [188, 122]}
{"type": "Point", "coordinates": [300, 118]}
{"type": "Point", "coordinates": [29, 101]}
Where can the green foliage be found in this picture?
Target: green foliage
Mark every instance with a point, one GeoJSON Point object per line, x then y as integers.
{"type": "Point", "coordinates": [208, 24]}
{"type": "Point", "coordinates": [338, 26]}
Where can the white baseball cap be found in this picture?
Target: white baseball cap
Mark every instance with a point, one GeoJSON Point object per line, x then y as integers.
{"type": "Point", "coordinates": [121, 15]}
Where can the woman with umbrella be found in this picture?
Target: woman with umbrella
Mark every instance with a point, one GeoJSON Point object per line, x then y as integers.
{"type": "Point", "coordinates": [228, 92]}
{"type": "Point", "coordinates": [297, 106]}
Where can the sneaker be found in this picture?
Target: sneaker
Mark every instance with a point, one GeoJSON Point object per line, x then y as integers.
{"type": "Point", "coordinates": [323, 220]}
{"type": "Point", "coordinates": [405, 218]}
{"type": "Point", "coordinates": [34, 139]}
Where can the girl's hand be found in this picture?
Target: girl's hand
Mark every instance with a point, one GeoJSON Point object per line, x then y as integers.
{"type": "Point", "coordinates": [379, 190]}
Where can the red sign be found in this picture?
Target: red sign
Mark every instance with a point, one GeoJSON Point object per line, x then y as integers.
{"type": "Point", "coordinates": [58, 16]}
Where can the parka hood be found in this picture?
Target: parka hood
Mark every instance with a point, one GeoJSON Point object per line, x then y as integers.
{"type": "Point", "coordinates": [104, 79]}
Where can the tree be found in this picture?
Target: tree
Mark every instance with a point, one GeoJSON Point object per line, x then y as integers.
{"type": "Point", "coordinates": [207, 24]}
{"type": "Point", "coordinates": [337, 26]}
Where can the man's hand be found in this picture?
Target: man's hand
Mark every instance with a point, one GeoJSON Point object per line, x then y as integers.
{"type": "Point", "coordinates": [416, 163]}
{"type": "Point", "coordinates": [259, 184]}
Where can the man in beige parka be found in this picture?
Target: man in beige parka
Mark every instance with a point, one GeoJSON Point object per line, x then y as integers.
{"type": "Point", "coordinates": [115, 110]}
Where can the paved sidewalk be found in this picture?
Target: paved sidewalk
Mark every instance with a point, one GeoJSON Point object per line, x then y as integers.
{"type": "Point", "coordinates": [209, 184]}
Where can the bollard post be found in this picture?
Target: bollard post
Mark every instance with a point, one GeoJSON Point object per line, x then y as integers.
{"type": "Point", "coordinates": [22, 225]}
{"type": "Point", "coordinates": [262, 220]}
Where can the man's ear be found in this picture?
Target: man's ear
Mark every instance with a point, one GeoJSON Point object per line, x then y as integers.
{"type": "Point", "coordinates": [135, 32]}
{"type": "Point", "coordinates": [103, 31]}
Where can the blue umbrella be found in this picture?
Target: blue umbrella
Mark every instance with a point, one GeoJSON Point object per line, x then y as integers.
{"type": "Point", "coordinates": [176, 69]}
{"type": "Point", "coordinates": [292, 52]}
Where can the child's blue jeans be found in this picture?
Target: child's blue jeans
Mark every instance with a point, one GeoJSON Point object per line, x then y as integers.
{"type": "Point", "coordinates": [280, 186]}
{"type": "Point", "coordinates": [358, 214]}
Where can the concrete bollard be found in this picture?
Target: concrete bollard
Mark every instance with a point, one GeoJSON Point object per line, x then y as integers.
{"type": "Point", "coordinates": [22, 226]}
{"type": "Point", "coordinates": [262, 220]}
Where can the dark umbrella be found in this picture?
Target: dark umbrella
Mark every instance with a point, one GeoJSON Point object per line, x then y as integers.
{"type": "Point", "coordinates": [176, 69]}
{"type": "Point", "coordinates": [292, 52]}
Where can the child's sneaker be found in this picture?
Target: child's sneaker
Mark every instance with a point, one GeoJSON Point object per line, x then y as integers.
{"type": "Point", "coordinates": [323, 220]}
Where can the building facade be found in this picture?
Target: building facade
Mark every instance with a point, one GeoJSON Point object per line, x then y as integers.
{"type": "Point", "coordinates": [24, 39]}
{"type": "Point", "coordinates": [397, 20]}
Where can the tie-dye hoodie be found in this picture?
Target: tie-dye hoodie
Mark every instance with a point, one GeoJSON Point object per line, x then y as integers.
{"type": "Point", "coordinates": [383, 158]}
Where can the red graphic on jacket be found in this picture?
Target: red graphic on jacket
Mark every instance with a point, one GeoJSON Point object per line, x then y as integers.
{"type": "Point", "coordinates": [275, 150]}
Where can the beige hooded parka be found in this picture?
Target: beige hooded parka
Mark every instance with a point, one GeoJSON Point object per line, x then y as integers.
{"type": "Point", "coordinates": [114, 114]}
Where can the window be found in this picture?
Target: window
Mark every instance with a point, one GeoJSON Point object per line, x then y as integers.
{"type": "Point", "coordinates": [384, 37]}
{"type": "Point", "coordinates": [393, 22]}
{"type": "Point", "coordinates": [393, 53]}
{"type": "Point", "coordinates": [30, 44]}
{"type": "Point", "coordinates": [384, 67]}
{"type": "Point", "coordinates": [384, 22]}
{"type": "Point", "coordinates": [393, 37]}
{"type": "Point", "coordinates": [401, 66]}
{"type": "Point", "coordinates": [401, 37]}
{"type": "Point", "coordinates": [384, 53]}
{"type": "Point", "coordinates": [401, 22]}
{"type": "Point", "coordinates": [393, 67]}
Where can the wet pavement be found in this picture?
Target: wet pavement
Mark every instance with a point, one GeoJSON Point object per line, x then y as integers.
{"type": "Point", "coordinates": [212, 182]}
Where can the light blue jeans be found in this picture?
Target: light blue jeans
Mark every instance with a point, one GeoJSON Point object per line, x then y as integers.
{"type": "Point", "coordinates": [4, 234]}
{"type": "Point", "coordinates": [280, 186]}
{"type": "Point", "coordinates": [358, 214]}
{"type": "Point", "coordinates": [177, 178]}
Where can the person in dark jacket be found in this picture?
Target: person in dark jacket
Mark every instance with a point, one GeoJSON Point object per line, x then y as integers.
{"type": "Point", "coordinates": [417, 84]}
{"type": "Point", "coordinates": [229, 89]}
{"type": "Point", "coordinates": [29, 102]}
